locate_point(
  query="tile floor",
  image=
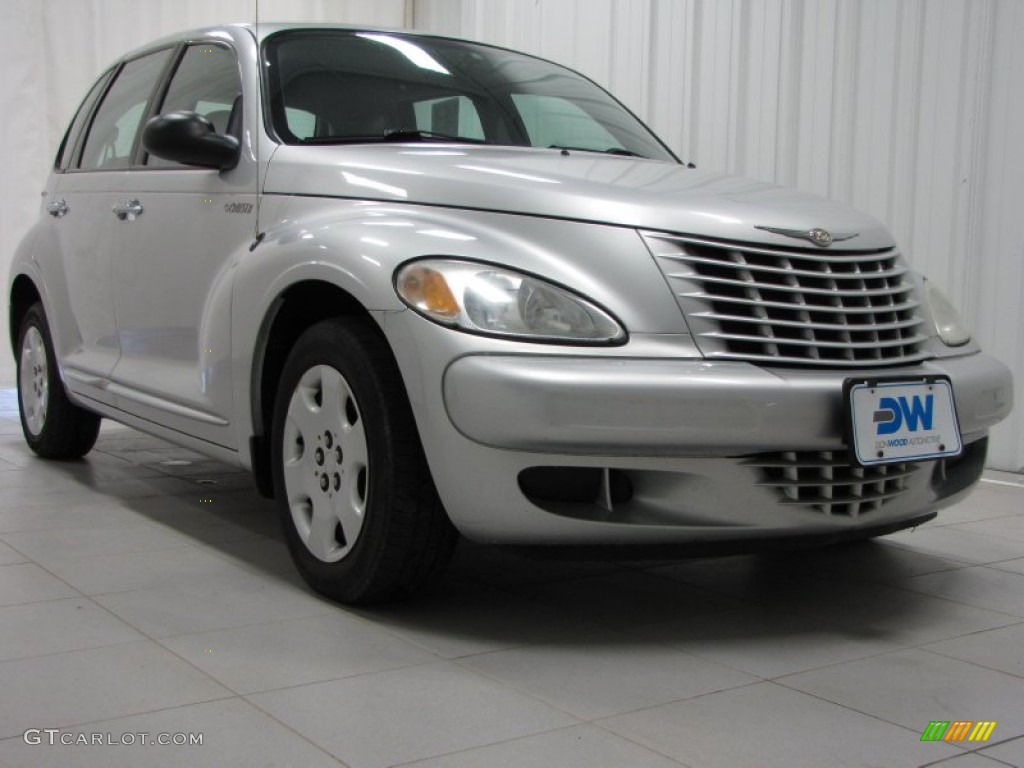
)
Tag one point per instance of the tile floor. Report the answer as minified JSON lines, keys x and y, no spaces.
{"x":147,"y":590}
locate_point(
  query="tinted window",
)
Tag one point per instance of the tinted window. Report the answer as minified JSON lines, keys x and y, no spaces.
{"x":207,"y":82}
{"x":300,"y":122}
{"x":449,"y":115}
{"x":551,"y":121}
{"x":113,"y":130}
{"x":337,"y":86}
{"x":67,"y":146}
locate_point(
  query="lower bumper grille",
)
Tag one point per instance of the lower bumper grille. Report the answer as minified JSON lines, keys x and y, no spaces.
{"x":827,"y":482}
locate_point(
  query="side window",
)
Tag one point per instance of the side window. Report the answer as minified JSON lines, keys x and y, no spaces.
{"x":300,"y":122}
{"x":450,"y":115}
{"x":74,"y":132}
{"x":207,"y":82}
{"x":112,"y":133}
{"x":554,"y":121}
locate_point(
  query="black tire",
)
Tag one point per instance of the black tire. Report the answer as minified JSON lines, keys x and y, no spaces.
{"x":54,"y":427}
{"x":403,"y":538}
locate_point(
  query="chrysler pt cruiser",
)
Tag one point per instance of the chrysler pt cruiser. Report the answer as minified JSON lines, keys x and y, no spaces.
{"x":422,"y":286}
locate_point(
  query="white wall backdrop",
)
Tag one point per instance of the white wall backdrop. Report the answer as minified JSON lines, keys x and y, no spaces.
{"x":910,"y":109}
{"x":51,"y":51}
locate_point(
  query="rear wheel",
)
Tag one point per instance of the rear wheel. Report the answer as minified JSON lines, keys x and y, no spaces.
{"x":54,"y":427}
{"x":359,"y":509}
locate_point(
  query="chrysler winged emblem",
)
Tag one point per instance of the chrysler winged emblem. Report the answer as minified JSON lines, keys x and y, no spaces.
{"x":820,"y":237}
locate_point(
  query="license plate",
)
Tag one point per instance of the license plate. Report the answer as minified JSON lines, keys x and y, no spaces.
{"x":900,"y":420}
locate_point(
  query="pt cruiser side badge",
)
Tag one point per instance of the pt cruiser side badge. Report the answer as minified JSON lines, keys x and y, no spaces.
{"x":820,"y":237}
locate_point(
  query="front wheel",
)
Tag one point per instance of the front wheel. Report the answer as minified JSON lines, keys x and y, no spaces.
{"x":54,"y":427}
{"x":360,"y":513}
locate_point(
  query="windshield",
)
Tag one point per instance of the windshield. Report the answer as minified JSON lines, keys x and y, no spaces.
{"x":335,"y":86}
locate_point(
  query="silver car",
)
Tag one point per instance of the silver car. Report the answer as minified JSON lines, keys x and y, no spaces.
{"x":421,"y":285}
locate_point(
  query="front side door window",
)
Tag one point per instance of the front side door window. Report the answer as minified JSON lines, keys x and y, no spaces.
{"x":207,"y":82}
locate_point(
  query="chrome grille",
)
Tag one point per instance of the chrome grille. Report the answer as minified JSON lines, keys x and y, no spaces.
{"x":793,"y":306}
{"x":827,"y":482}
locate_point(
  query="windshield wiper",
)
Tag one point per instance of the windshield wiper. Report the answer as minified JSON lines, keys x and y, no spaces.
{"x":415,"y":134}
{"x":610,"y":151}
{"x":396,"y":135}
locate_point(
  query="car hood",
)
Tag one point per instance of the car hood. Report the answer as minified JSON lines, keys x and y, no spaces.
{"x":578,"y":185}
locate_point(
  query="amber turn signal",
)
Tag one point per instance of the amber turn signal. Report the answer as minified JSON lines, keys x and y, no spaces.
{"x":427,"y":290}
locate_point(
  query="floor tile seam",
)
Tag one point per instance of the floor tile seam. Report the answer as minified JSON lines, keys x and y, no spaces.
{"x":1004,"y":539}
{"x":544,"y":733}
{"x":45,"y":565}
{"x":956,"y":525}
{"x":237,"y":697}
{"x":945,"y":760}
{"x":902,"y":586}
{"x":995,"y":566}
{"x":294,"y":686}
{"x":595,"y":720}
{"x":529,"y":694}
{"x":945,"y":555}
{"x":244,"y":625}
{"x":156,"y":641}
{"x":45,"y":570}
{"x":216,"y":551}
{"x":333,"y":679}
{"x":144,"y":523}
{"x":569,"y":579}
{"x":780,"y":682}
{"x":971,"y":633}
{"x":156,"y":710}
{"x":891,"y":580}
{"x":950,"y":657}
{"x":638,"y":742}
{"x":67,"y":651}
{"x":982,"y":749}
{"x":773,"y":678}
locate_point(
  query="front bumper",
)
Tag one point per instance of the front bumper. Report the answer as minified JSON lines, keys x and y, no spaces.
{"x":596,"y":406}
{"x":611,"y":449}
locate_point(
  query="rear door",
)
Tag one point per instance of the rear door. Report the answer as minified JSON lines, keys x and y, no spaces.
{"x":77,"y":268}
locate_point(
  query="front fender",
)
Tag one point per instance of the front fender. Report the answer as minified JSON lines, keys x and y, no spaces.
{"x":357,"y":246}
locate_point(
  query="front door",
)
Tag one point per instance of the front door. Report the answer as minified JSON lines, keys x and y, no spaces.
{"x":181,"y":231}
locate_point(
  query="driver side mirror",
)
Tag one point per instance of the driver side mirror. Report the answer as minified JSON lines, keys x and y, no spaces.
{"x":190,"y":139}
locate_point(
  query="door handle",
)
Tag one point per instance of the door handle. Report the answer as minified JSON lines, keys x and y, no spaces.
{"x":57,"y":208}
{"x":128,"y":211}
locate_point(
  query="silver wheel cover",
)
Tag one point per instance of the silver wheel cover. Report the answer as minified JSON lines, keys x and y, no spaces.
{"x":326,"y":463}
{"x":34,"y":381}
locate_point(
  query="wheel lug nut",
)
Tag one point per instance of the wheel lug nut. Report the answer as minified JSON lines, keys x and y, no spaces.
{"x":328,"y":439}
{"x":337,"y":455}
{"x":324,"y":483}
{"x":337,"y":481}
{"x":318,"y":457}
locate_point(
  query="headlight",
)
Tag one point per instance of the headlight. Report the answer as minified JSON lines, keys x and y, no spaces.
{"x":948,"y":323}
{"x":481,"y":298}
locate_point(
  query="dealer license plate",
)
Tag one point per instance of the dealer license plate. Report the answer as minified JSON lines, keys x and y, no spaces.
{"x":900,"y":420}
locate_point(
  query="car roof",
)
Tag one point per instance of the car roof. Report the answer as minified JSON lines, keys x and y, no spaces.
{"x":261,"y":31}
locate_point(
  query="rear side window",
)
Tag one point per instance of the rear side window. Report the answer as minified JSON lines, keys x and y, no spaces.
{"x":207,"y":82}
{"x":74,"y":132}
{"x":116,"y":124}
